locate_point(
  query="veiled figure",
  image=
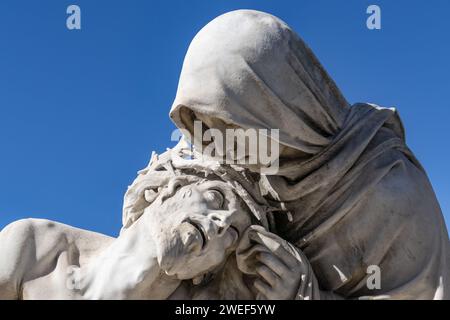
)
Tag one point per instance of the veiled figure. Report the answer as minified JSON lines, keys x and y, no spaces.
{"x":355,"y":195}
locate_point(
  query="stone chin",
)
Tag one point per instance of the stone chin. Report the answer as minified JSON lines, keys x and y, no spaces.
{"x":178,"y":248}
{"x":187,"y":253}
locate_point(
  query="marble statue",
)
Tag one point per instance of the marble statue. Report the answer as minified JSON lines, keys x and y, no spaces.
{"x":183,"y":222}
{"x":348,"y":196}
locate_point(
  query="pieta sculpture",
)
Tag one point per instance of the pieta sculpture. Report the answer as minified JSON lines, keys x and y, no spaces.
{"x":348,"y":201}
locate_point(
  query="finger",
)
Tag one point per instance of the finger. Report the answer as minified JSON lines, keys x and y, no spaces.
{"x":275,"y":264}
{"x":259,"y":248}
{"x":267,"y":274}
{"x":281,"y":253}
{"x":260,"y":296}
{"x":286,"y":257}
{"x":262,"y":287}
{"x":279,"y":250}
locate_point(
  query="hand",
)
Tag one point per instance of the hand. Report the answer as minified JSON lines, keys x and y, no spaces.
{"x":279,"y":273}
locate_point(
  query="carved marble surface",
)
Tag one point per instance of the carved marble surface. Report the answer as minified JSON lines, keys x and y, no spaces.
{"x":349,"y":197}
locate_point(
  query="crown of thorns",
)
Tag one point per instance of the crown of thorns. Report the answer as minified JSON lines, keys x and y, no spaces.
{"x":183,"y":163}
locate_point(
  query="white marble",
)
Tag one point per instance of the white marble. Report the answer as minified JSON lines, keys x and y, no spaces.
{"x":350,"y":213}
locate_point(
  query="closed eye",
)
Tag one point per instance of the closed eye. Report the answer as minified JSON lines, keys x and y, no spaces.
{"x":215,"y":199}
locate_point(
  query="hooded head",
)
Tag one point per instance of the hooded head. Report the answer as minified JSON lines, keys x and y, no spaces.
{"x":250,"y":70}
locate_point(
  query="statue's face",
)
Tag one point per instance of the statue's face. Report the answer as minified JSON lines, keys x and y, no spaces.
{"x":196,"y":228}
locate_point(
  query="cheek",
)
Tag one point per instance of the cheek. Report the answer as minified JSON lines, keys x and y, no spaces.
{"x":214,"y":255}
{"x":242,"y":221}
{"x":218,"y":248}
{"x":229,"y":238}
{"x":221,"y":244}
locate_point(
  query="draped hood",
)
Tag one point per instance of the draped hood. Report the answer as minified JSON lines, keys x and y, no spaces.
{"x":250,"y":69}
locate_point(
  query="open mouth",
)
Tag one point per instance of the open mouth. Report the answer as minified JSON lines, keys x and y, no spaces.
{"x":200,"y":230}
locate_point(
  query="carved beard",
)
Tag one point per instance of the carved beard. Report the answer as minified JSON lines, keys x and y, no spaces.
{"x":175,"y":248}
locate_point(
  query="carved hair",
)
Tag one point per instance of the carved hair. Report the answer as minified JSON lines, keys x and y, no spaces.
{"x":181,"y":166}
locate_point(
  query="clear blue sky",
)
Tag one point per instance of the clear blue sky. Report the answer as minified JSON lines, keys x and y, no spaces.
{"x":81,"y":111}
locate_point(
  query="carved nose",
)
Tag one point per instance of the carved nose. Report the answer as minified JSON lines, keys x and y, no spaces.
{"x":220,"y":221}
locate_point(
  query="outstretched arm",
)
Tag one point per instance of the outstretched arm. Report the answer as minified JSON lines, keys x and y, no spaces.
{"x":15,"y":248}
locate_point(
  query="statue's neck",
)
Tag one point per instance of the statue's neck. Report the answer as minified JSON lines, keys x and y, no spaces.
{"x":127,"y":269}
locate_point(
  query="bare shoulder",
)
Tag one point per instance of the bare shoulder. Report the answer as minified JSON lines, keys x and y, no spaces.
{"x":45,"y":228}
{"x":45,"y":235}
